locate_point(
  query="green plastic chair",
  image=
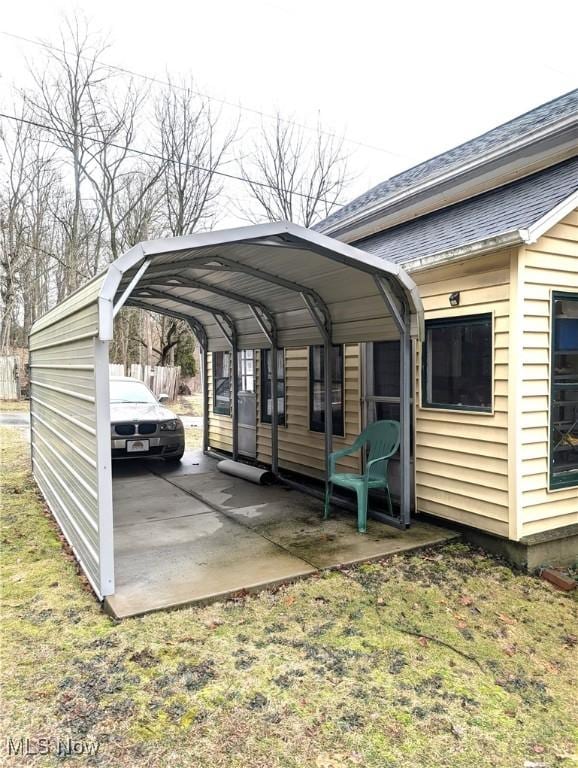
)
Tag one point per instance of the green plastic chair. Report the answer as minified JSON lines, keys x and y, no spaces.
{"x":383,"y":440}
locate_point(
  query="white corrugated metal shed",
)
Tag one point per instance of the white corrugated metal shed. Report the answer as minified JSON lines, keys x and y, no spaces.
{"x":271,"y":285}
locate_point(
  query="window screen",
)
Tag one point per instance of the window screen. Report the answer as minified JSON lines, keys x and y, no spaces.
{"x":266,"y":389}
{"x":383,"y":394}
{"x":317,"y":389}
{"x":457,"y":363}
{"x":222,"y":383}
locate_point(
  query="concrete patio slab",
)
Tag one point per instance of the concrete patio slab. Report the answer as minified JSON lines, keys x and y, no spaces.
{"x":157,"y":508}
{"x":144,"y":499}
{"x":337,"y":542}
{"x":232,"y":493}
{"x":192,"y":534}
{"x":293,"y":520}
{"x":183,"y":560}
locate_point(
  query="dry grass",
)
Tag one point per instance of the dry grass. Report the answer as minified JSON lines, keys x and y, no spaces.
{"x":187,"y":405}
{"x":14,"y":405}
{"x":331,"y":672}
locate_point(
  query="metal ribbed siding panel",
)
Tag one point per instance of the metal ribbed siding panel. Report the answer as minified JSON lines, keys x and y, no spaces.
{"x":64,"y":349}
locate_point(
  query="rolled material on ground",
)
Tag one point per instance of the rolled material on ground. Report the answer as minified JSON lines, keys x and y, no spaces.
{"x":245,"y":472}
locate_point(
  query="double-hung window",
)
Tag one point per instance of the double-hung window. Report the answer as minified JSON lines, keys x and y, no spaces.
{"x":457,"y":363}
{"x":317,"y":389}
{"x":564,"y":392}
{"x":266,"y":387}
{"x":222,"y":383}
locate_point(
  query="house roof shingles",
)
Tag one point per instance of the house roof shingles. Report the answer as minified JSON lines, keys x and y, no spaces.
{"x":513,"y":130}
{"x":514,"y":206}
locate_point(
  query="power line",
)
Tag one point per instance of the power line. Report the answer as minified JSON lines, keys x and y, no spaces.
{"x":154,"y":156}
{"x":59,"y":260}
{"x":216,"y":99}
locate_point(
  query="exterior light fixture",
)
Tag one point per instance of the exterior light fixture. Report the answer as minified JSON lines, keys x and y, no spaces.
{"x":455,"y":299}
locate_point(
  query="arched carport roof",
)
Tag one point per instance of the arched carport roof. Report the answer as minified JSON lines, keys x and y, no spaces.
{"x":255,"y":281}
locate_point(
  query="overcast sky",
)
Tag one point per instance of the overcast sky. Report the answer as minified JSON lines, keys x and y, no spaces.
{"x":402,"y":81}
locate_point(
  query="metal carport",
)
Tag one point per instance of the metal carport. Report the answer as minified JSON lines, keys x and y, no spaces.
{"x":272,"y":285}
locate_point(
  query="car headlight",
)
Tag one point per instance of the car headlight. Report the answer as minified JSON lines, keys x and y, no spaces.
{"x":170,"y":426}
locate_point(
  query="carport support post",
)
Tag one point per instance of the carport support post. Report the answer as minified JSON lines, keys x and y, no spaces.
{"x":405,"y":418}
{"x":235,"y":396}
{"x":205,"y":386}
{"x":320,"y":314}
{"x":400,"y":312}
{"x":328,"y":403}
{"x":274,"y":409}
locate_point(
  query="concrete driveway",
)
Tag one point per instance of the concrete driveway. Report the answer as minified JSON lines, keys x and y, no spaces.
{"x":192,"y":534}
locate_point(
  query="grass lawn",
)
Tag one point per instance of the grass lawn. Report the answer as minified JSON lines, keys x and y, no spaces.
{"x":14,"y":405}
{"x":187,"y":405}
{"x":439,"y":658}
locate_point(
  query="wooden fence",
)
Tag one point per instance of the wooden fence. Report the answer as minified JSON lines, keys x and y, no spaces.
{"x":160,"y":379}
{"x":9,"y":378}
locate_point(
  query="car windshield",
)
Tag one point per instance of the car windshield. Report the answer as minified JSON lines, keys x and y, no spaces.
{"x":130,"y":392}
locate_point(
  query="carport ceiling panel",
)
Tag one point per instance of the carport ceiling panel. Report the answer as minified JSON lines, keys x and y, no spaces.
{"x":249,"y":333}
{"x":333,"y":281}
{"x":237,"y":310}
{"x":357,"y":309}
{"x":292,"y":314}
{"x":253,"y":288}
{"x":257,"y":290}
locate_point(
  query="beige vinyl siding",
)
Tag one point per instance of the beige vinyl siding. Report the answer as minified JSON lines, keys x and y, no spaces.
{"x":461,"y":458}
{"x":551,"y":264}
{"x":301,"y":450}
{"x":220,"y":427}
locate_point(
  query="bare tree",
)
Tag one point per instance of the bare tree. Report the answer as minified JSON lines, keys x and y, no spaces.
{"x":121,"y":184}
{"x":293,"y":174}
{"x":138,"y":203}
{"x":194,"y":148}
{"x":67,"y":91}
{"x":13,"y":235}
{"x":31,"y":235}
{"x":44,"y":234}
{"x":165,"y":334}
{"x":94,"y":171}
